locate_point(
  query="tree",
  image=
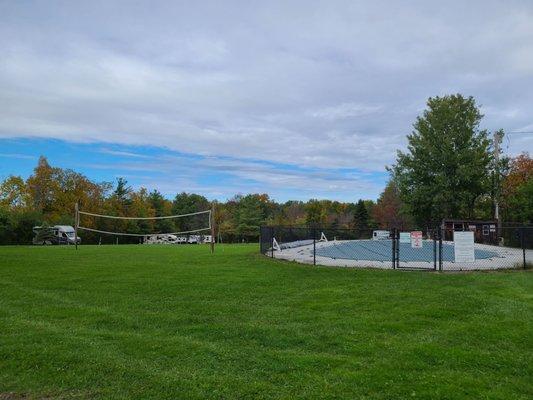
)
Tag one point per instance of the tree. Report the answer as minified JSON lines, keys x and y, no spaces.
{"x":122,"y":191}
{"x":294,"y":212}
{"x":140,"y":207}
{"x":389,"y":209}
{"x":517,"y":196}
{"x":360,"y":217}
{"x":447,"y":164}
{"x":13,"y":193}
{"x":186,"y":203}
{"x":43,"y":185}
{"x":162,"y":207}
{"x":520,"y":204}
{"x":316,"y":214}
{"x":250,"y":214}
{"x":520,"y":172}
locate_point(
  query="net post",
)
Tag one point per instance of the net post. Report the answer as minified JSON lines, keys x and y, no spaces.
{"x":76,"y":223}
{"x":212,"y":226}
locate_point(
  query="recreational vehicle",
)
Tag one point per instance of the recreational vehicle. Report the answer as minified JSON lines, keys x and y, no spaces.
{"x":161,"y":239}
{"x":380,"y":235}
{"x":57,"y":234}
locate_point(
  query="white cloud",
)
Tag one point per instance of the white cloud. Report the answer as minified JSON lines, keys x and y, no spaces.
{"x":19,"y":156}
{"x":345,"y":110}
{"x":331,"y":85}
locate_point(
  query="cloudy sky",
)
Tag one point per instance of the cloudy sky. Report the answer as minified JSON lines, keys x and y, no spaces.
{"x":296,"y":99}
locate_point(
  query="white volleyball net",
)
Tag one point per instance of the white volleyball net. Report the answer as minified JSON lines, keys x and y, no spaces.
{"x":179,"y":228}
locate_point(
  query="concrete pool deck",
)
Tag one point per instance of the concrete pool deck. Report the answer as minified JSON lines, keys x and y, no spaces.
{"x":495,"y":257}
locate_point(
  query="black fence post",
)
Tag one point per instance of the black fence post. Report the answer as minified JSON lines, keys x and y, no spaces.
{"x":435,"y":249}
{"x":272,"y":241}
{"x":397,"y":248}
{"x":314,"y":246}
{"x":440,"y":250}
{"x":523,"y":243}
{"x":393,"y":235}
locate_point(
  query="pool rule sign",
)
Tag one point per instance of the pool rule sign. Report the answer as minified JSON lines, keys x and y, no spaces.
{"x":416,"y":239}
{"x":464,"y":246}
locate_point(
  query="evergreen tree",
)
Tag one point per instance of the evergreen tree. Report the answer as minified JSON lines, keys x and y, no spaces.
{"x":360,"y":217}
{"x":250,"y":215}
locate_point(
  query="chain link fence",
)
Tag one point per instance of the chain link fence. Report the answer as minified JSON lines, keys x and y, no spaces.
{"x":424,"y":249}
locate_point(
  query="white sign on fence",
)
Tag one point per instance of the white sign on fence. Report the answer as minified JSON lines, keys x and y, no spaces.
{"x":405,"y":237}
{"x":464,"y":246}
{"x":416,"y":239}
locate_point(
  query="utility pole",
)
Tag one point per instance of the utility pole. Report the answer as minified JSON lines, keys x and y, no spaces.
{"x":498,"y":135}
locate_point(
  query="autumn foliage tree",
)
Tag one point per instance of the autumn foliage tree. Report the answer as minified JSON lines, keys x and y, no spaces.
{"x":389,"y":210}
{"x":517,"y":190}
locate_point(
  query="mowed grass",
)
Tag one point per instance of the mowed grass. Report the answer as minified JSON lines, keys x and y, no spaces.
{"x":176,"y":322}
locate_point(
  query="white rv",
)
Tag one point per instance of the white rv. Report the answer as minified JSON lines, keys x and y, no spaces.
{"x":380,"y":235}
{"x":57,"y":234}
{"x":161,"y":239}
{"x":206,"y":239}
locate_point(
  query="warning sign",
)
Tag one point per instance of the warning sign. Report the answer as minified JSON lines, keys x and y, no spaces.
{"x":416,"y":239}
{"x":405,"y":237}
{"x":464,"y":246}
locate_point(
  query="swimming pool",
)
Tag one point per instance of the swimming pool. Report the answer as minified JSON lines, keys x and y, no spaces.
{"x":381,"y":250}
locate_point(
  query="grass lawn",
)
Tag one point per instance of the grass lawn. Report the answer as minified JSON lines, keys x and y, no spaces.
{"x":175,"y":322}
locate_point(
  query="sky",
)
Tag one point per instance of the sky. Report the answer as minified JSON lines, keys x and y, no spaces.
{"x":297,"y":99}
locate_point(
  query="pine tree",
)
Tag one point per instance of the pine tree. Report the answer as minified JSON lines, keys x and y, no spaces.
{"x":360,"y":217}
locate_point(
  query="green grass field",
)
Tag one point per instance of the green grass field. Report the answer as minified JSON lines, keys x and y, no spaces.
{"x":175,"y":322}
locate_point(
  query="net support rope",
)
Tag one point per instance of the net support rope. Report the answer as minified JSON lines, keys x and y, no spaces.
{"x":143,"y":218}
{"x":143,"y":234}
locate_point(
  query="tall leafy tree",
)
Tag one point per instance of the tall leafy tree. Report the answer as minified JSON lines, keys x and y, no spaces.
{"x":447,"y":164}
{"x":43,"y":186}
{"x":186,"y":203}
{"x":13,"y":193}
{"x":316,"y":214}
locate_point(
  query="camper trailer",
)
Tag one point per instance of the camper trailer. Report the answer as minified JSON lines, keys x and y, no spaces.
{"x":380,"y":235}
{"x":57,"y":234}
{"x":161,"y":239}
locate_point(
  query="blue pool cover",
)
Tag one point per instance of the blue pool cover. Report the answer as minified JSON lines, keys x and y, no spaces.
{"x":381,"y":250}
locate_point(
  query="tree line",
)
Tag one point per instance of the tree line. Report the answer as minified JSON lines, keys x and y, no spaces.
{"x":450,"y":170}
{"x":49,"y":194}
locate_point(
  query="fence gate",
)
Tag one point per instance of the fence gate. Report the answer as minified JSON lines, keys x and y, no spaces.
{"x":417,"y":250}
